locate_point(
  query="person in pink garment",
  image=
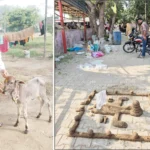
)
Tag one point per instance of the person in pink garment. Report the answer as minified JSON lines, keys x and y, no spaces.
{"x":41,"y":24}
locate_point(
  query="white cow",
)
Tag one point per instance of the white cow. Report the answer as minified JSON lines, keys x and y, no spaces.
{"x":22,"y":92}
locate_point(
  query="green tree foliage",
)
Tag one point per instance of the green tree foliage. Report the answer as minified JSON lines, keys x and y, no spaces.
{"x":19,"y":18}
{"x":135,"y":8}
{"x":50,"y":28}
{"x":50,"y":24}
{"x":122,"y":13}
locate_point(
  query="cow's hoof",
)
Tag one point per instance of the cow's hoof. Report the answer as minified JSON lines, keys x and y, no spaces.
{"x":38,"y":116}
{"x":50,"y":118}
{"x":26,"y":131}
{"x":16,"y":124}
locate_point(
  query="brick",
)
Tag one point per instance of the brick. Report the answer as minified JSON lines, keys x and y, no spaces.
{"x":99,"y":142}
{"x":57,"y":139}
{"x":124,"y":131}
{"x":83,"y":142}
{"x":139,"y":119}
{"x":59,"y":147}
{"x":126,"y":118}
{"x":115,"y":144}
{"x":134,"y":126}
{"x":132,"y":145}
{"x":63,"y":131}
{"x":66,"y":123}
{"x":77,"y":148}
{"x":89,"y":148}
{"x":69,"y":147}
{"x":145,"y":145}
{"x":89,"y":124}
{"x":65,"y":140}
{"x":147,"y":120}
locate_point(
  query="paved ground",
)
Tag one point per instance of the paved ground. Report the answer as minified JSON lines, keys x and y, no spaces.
{"x":40,"y":135}
{"x":72,"y":85}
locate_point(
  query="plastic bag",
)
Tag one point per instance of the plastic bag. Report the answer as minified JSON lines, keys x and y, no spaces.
{"x":101,"y":66}
{"x":78,"y":45}
{"x":96,"y":47}
{"x":90,"y":47}
{"x":89,"y":42}
{"x":80,"y":53}
{"x":96,"y":42}
{"x":94,"y":38}
{"x":97,"y":54}
{"x":107,"y":49}
{"x":76,"y":49}
{"x":60,"y":57}
{"x":101,"y":99}
{"x":57,"y":59}
{"x":87,"y":66}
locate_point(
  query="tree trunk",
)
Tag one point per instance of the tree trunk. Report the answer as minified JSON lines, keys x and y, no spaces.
{"x":101,"y":20}
{"x":91,"y":24}
{"x":92,"y":16}
{"x":113,"y":22}
{"x":110,"y":22}
{"x":111,"y":29}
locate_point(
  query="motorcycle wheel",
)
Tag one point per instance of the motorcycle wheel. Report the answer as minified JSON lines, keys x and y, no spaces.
{"x":128,"y":47}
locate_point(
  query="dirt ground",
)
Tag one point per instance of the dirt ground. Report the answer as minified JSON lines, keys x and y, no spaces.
{"x":40,"y":131}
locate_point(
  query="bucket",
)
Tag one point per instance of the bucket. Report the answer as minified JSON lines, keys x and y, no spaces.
{"x":27,"y":54}
{"x":117,"y":37}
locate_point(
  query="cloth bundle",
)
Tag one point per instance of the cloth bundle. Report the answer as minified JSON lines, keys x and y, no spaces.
{"x":21,"y":35}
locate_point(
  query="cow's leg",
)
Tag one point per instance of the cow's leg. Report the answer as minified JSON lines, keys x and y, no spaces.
{"x":26,"y":118}
{"x":49,"y":109}
{"x":19,"y":108}
{"x":45,"y":99}
{"x":41,"y":107}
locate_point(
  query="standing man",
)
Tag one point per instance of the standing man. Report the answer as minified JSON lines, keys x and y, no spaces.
{"x":144,"y":28}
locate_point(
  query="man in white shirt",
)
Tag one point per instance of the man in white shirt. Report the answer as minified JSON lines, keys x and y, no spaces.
{"x":3,"y":71}
{"x":2,"y":68}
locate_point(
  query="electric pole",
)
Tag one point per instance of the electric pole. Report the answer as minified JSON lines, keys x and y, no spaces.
{"x":45,"y":29}
{"x":145,"y":10}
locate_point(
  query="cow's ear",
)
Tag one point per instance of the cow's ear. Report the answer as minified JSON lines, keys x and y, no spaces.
{"x":6,"y":79}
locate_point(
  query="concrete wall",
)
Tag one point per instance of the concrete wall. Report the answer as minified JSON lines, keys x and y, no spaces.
{"x":72,"y":37}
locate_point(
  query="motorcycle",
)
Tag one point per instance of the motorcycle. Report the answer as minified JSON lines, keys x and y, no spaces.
{"x":134,"y":43}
